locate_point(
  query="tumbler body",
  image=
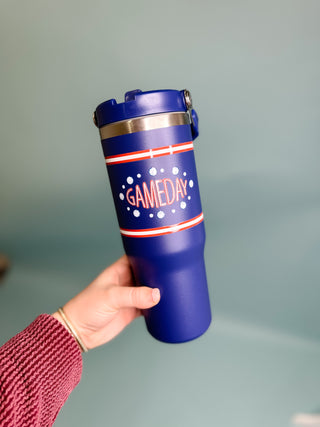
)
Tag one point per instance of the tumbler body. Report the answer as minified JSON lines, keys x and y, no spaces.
{"x":147,"y":142}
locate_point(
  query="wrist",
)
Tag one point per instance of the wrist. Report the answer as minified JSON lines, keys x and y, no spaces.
{"x":57,"y":316}
{"x":61,"y":317}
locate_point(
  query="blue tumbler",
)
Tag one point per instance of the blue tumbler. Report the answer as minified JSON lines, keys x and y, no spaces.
{"x":147,"y":143}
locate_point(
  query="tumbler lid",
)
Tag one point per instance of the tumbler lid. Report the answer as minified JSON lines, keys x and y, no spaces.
{"x":138,"y":103}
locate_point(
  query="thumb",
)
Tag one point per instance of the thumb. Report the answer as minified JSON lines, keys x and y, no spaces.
{"x":129,"y":296}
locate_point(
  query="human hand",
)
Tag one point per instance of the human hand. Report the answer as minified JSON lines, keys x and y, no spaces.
{"x":103,"y":309}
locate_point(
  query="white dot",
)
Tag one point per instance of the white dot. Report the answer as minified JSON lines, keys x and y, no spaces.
{"x":160,"y":214}
{"x":161,"y":170}
{"x":183,"y":205}
{"x":189,"y":197}
{"x":121,"y":196}
{"x":129,"y":180}
{"x":136,"y":213}
{"x":175,"y":170}
{"x":123,"y":187}
{"x":184,"y":173}
{"x":173,"y":210}
{"x":151,"y":215}
{"x":191,"y":183}
{"x":128,"y":208}
{"x":139,"y":175}
{"x":153,"y":171}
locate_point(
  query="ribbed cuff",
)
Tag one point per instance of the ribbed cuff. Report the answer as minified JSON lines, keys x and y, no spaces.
{"x":39,"y":368}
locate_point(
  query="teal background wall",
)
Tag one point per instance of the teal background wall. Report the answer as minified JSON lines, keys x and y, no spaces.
{"x":253,"y":69}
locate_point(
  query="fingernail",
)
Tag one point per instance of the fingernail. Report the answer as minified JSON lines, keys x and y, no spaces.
{"x":155,"y":295}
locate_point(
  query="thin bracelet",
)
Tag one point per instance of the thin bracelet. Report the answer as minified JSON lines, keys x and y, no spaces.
{"x":72,"y":330}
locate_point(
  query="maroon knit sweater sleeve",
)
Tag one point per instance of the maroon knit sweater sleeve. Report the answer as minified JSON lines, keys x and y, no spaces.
{"x":39,"y":368}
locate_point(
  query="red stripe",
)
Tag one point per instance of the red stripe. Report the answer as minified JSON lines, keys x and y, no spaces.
{"x":151,"y":153}
{"x":180,"y":151}
{"x":198,"y":219}
{"x":165,"y":226}
{"x":126,"y":154}
{"x":169,"y":232}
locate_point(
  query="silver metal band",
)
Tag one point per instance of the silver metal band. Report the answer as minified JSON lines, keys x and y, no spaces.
{"x":138,"y":124}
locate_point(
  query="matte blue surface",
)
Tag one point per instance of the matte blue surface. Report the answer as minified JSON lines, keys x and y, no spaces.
{"x":173,"y":262}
